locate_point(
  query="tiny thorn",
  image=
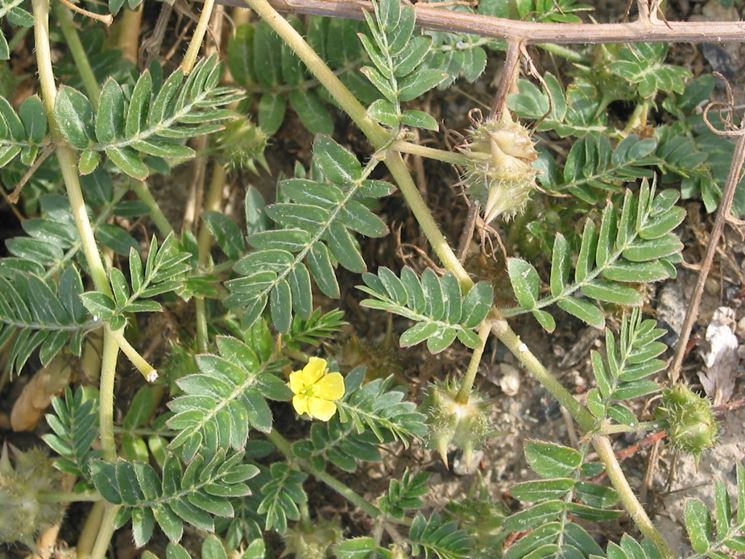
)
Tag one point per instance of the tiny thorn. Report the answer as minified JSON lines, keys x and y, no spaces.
{"x":442,"y":449}
{"x":106,"y":19}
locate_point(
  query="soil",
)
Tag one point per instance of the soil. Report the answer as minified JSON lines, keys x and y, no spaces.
{"x":519,"y":407}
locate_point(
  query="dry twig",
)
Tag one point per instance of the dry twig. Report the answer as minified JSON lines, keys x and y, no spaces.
{"x":652,"y":31}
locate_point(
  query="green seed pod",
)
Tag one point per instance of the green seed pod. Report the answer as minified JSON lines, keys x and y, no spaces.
{"x":243,"y":144}
{"x":22,"y":516}
{"x":688,"y":420}
{"x":463,"y":425}
{"x":314,"y":543}
{"x":500,"y":172}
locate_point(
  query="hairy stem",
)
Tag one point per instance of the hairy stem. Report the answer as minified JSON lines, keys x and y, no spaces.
{"x":587,"y":423}
{"x":377,"y":135}
{"x":632,"y":505}
{"x":68,"y":164}
{"x":129,"y":25}
{"x":190,"y":58}
{"x":429,"y":16}
{"x":106,"y":405}
{"x":160,"y":220}
{"x":212,"y":203}
{"x":72,"y":39}
{"x":106,"y":436}
{"x":87,"y":538}
{"x":69,"y":497}
{"x":512,"y":341}
{"x":510,"y":73}
{"x":105,"y":532}
{"x":473,"y":366}
{"x":431,"y":153}
{"x":139,"y":362}
{"x":379,"y":138}
{"x":204,"y":243}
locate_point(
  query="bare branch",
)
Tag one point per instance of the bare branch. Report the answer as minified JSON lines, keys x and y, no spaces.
{"x":430,"y":17}
{"x":723,"y":211}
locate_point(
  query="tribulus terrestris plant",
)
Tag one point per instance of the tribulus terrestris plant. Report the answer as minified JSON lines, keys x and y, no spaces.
{"x":238,"y":201}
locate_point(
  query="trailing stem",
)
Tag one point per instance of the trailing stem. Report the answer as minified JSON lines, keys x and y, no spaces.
{"x":723,"y":213}
{"x":72,"y":40}
{"x":429,"y":16}
{"x":380,"y":140}
{"x":473,"y":366}
{"x":377,"y":135}
{"x":67,"y":159}
{"x":141,"y":189}
{"x":587,"y":423}
{"x":190,"y":58}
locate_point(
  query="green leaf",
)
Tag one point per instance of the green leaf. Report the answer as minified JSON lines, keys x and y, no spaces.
{"x":98,"y":304}
{"x":226,"y":233}
{"x":280,"y":497}
{"x":646,"y":250}
{"x":128,"y":161}
{"x":544,"y":319}
{"x":116,"y":238}
{"x":417,"y":84}
{"x":88,"y":162}
{"x":612,"y":293}
{"x":139,"y":103}
{"x":419,"y":119}
{"x":74,"y":115}
{"x":240,"y":60}
{"x":182,"y":496}
{"x":34,"y":119}
{"x":436,"y":305}
{"x":552,"y":460}
{"x":542,"y":490}
{"x":559,"y":265}
{"x":110,"y":114}
{"x":356,"y":548}
{"x":584,"y":310}
{"x":313,"y":114}
{"x":384,"y":112}
{"x":534,"y":516}
{"x":698,"y":525}
{"x":4,"y":48}
{"x":434,"y":536}
{"x":525,"y":282}
{"x":336,"y":163}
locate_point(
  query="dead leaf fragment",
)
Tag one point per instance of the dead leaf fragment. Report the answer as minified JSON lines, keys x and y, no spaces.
{"x":721,"y":357}
{"x":48,"y":381}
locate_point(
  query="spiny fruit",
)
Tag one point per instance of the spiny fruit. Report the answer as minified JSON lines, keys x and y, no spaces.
{"x":315,"y":542}
{"x":243,"y":144}
{"x":23,"y":514}
{"x":500,"y":172}
{"x":465,"y":425}
{"x":688,"y":420}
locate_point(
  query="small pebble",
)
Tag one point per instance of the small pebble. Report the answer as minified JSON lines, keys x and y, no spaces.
{"x":510,"y":380}
{"x":741,"y":327}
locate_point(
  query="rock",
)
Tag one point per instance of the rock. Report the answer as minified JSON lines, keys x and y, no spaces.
{"x":721,"y":356}
{"x":671,"y":311}
{"x":509,"y":382}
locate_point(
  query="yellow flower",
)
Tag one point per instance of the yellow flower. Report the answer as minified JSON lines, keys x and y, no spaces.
{"x":316,"y":389}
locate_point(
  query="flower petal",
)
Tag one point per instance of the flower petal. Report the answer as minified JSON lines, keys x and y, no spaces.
{"x":298,"y":382}
{"x":321,"y":409}
{"x":330,"y":387}
{"x":314,"y":370}
{"x":300,"y":403}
